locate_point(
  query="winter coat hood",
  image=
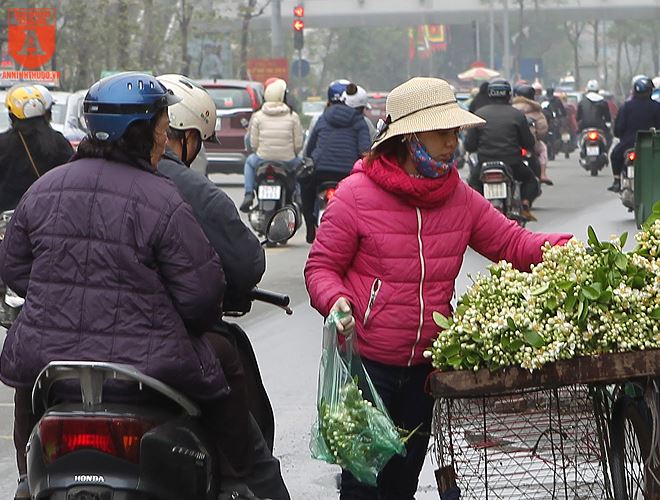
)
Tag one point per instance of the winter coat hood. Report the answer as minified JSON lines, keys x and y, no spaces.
{"x":342,"y":116}
{"x":594,"y":97}
{"x":526,"y":105}
{"x":275,"y":108}
{"x":416,"y":191}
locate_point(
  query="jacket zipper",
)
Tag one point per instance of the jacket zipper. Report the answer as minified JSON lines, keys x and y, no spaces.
{"x":375,"y":288}
{"x":421,"y":284}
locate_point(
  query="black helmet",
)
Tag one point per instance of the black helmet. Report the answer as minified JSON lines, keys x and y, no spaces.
{"x":643,"y":86}
{"x":524,"y":90}
{"x":499,"y":89}
{"x":550,"y":91}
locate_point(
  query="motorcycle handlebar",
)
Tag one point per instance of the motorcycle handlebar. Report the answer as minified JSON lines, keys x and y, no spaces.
{"x":274,"y":298}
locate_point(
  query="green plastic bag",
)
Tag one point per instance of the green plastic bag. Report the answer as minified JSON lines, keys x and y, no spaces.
{"x":352,"y":428}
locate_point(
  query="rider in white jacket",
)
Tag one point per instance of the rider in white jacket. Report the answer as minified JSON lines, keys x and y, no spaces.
{"x":275,"y":134}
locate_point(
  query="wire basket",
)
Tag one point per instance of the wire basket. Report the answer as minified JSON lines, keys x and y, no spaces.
{"x":533,"y":444}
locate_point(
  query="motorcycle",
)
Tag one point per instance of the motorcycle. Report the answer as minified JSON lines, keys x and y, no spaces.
{"x":501,"y":188}
{"x":567,"y":146}
{"x":627,"y":192}
{"x":151,"y":445}
{"x":276,"y":187}
{"x":593,"y":150}
{"x":324,"y":193}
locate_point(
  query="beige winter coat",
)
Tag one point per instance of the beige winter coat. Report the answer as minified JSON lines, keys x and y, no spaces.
{"x":275,"y":132}
{"x":534,"y":110}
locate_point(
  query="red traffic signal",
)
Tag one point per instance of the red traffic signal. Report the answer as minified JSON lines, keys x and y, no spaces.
{"x":299,"y":11}
{"x":298,"y":25}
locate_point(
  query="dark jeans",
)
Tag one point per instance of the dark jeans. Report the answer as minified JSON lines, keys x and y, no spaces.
{"x":616,"y":157}
{"x":308,"y":191}
{"x":402,"y":391}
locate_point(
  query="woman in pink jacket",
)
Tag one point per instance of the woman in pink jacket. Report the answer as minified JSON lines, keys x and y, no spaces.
{"x":388,"y":253}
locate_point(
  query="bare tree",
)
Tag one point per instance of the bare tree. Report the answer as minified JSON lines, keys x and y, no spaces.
{"x":185,"y":13}
{"x":248,"y":12}
{"x":574,"y":30}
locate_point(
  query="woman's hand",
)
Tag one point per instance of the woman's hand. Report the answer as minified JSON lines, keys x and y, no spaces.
{"x":342,"y":315}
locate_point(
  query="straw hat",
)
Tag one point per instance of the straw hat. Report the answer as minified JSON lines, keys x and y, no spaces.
{"x":421,"y":105}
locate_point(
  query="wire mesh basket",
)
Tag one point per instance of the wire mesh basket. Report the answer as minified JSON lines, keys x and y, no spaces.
{"x":532,"y":444}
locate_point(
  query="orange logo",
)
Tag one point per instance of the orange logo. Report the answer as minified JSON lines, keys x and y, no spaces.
{"x":31,"y":36}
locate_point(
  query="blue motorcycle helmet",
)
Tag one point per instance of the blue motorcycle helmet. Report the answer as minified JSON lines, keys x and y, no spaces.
{"x":643,"y":85}
{"x":336,"y":90}
{"x":114,"y":102}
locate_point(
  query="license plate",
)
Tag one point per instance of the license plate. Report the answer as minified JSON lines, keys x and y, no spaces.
{"x":593,"y":150}
{"x":565,"y":137}
{"x":269,"y":192}
{"x":631,"y":172}
{"x":495,"y":191}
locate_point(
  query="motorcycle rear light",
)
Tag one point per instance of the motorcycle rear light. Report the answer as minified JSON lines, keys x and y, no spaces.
{"x":494,"y":177}
{"x":116,"y":436}
{"x":593,"y":136}
{"x":632,"y":156}
{"x":524,"y":152}
{"x":329,"y":193}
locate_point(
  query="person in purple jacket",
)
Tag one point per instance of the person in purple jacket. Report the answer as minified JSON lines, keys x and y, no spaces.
{"x":112,"y":263}
{"x":388,"y":253}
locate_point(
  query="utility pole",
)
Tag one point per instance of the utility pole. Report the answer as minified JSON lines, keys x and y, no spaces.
{"x":506,"y":64}
{"x":277,"y":49}
{"x":491,"y":23}
{"x":477,"y":39}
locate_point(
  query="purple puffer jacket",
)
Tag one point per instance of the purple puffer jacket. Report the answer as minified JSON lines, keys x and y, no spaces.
{"x":112,"y":264}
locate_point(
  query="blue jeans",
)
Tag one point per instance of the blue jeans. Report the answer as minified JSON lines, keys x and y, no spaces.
{"x":402,"y":390}
{"x":250,"y":169}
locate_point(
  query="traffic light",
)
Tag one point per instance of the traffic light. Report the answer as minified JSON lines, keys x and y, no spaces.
{"x":298,"y":27}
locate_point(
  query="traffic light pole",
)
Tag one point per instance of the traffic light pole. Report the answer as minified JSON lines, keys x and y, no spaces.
{"x":276,"y":28}
{"x":300,"y":65}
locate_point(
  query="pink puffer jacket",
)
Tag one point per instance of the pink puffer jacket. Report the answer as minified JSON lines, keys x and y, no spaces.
{"x":396,"y":260}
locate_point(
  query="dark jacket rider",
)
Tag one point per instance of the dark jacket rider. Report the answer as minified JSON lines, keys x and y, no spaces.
{"x":503,"y":136}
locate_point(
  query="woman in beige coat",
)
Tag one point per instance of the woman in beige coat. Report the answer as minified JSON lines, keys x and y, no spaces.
{"x":275,"y":134}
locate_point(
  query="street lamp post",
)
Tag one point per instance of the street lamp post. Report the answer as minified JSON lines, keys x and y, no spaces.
{"x":276,"y":28}
{"x":506,"y":64}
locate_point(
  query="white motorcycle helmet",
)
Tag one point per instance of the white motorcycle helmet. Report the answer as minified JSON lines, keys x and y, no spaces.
{"x":592,"y":86}
{"x":196,"y":110}
{"x":357,"y":100}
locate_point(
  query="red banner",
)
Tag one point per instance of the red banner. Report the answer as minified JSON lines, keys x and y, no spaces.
{"x":261,"y":70}
{"x":31,"y":36}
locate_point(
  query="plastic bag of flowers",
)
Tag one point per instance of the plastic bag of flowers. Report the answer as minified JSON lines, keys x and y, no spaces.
{"x":352,"y":428}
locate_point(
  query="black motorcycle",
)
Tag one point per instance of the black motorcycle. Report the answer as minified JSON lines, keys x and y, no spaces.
{"x":124,"y":435}
{"x":627,"y":192}
{"x":593,"y":150}
{"x":276,"y":188}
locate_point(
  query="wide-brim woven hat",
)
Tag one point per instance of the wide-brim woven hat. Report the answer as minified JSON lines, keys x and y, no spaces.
{"x":420,"y":105}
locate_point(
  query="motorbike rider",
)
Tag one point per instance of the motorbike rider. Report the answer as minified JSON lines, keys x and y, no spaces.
{"x":555,"y":103}
{"x":192,"y":120}
{"x":638,"y":113}
{"x":360,"y":101}
{"x":593,"y":112}
{"x":481,"y":99}
{"x":117,"y":267}
{"x":523,"y":100}
{"x":275,"y":134}
{"x":31,"y":147}
{"x":338,"y":139}
{"x":503,"y":136}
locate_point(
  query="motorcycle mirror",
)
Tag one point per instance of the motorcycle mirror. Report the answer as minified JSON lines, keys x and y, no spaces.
{"x":281,"y":226}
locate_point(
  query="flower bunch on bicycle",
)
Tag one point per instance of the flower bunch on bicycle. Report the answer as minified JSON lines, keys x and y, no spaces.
{"x":580,"y":301}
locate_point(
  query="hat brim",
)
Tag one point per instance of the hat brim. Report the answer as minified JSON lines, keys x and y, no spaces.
{"x":443,"y":117}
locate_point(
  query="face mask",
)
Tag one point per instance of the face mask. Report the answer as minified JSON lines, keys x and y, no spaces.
{"x":424,"y":162}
